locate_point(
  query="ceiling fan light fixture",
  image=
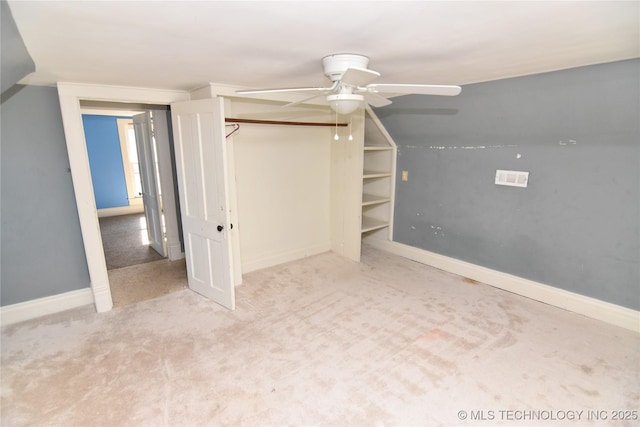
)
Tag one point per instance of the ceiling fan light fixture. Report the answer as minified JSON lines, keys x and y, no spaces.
{"x":345,"y":103}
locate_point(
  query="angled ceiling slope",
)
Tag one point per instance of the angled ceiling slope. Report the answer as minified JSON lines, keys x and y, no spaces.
{"x":16,"y":62}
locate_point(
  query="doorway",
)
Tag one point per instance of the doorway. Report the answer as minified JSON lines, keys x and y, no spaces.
{"x":138,"y":264}
{"x":71,"y":95}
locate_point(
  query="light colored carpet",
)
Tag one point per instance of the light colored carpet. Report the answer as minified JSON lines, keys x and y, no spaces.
{"x":321,"y":341}
{"x":123,"y":238}
{"x":141,"y":282}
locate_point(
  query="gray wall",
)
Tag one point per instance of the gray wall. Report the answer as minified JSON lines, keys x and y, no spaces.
{"x":41,"y":244}
{"x":576,"y":226}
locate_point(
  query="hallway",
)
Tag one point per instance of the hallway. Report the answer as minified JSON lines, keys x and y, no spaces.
{"x":136,"y":271}
{"x":125,"y":242}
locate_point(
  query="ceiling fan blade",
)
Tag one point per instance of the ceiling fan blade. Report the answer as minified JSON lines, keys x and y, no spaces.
{"x":375,"y":100}
{"x":406,"y":89}
{"x":321,"y":90}
{"x":354,"y":76}
{"x":302,"y":101}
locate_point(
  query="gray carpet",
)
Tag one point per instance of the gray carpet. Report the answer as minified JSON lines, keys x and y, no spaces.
{"x":141,"y":282}
{"x":323,"y":341}
{"x":123,"y":241}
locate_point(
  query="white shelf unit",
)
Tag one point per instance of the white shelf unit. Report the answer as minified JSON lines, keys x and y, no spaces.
{"x":378,"y":179}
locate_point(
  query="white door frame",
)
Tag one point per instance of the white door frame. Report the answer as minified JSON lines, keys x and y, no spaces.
{"x":70,"y":95}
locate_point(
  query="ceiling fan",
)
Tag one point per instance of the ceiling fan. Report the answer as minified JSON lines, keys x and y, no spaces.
{"x":351,"y":85}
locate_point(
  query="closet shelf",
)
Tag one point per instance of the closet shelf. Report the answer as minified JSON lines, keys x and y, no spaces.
{"x":370,"y":224}
{"x":371,"y":199}
{"x":377,"y":148}
{"x":378,"y":180}
{"x":375,"y":174}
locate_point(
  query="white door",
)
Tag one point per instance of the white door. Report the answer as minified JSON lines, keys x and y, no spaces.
{"x":201,"y":166}
{"x":147,"y":161}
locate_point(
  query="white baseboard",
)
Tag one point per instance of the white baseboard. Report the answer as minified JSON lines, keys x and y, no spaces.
{"x":587,"y":306}
{"x":15,"y":313}
{"x":122,"y":210}
{"x":249,"y":265}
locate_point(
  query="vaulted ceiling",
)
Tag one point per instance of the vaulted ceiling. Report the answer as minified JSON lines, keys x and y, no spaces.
{"x":184,"y":45}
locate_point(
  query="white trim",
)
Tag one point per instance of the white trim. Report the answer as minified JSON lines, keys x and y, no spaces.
{"x":234,"y":235}
{"x":20,"y":312}
{"x":121,"y":210}
{"x":212,"y":90}
{"x":282,"y":257}
{"x":175,"y":252}
{"x":587,"y":306}
{"x":70,"y":95}
{"x":107,"y":112}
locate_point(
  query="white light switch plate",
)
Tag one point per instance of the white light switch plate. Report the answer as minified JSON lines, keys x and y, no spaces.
{"x":512,"y":178}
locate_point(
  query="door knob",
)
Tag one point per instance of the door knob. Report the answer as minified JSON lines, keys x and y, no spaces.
{"x":220,"y":228}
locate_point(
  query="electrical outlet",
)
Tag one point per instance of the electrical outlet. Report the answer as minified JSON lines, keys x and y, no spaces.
{"x":405,"y":176}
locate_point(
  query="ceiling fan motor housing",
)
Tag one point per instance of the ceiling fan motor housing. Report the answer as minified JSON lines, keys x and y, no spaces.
{"x":335,"y":65}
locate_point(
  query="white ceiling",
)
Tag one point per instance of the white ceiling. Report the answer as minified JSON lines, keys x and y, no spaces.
{"x":184,"y":45}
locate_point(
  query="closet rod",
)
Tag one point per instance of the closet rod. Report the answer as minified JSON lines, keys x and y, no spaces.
{"x":277,"y":122}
